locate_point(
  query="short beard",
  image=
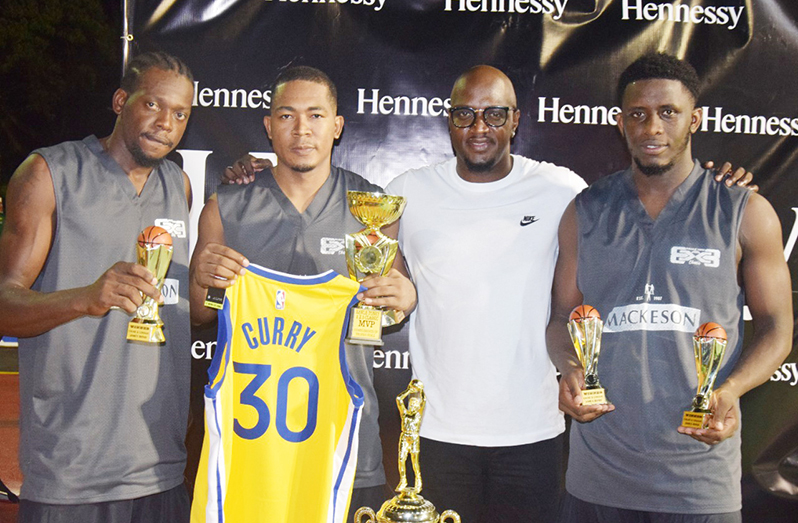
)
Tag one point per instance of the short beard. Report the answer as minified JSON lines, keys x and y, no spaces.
{"x":481,"y":167}
{"x":142,"y":159}
{"x":653,"y":170}
{"x":301,"y":168}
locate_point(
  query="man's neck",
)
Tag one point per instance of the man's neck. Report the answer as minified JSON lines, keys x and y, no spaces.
{"x":655,"y":191}
{"x":299,"y":187}
{"x":496,"y":173}
{"x":116,"y":149}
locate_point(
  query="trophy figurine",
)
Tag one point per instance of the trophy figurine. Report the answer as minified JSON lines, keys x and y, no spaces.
{"x":408,"y":506}
{"x":585,"y":326}
{"x":709,"y":344}
{"x":370,"y":252}
{"x":154,"y":251}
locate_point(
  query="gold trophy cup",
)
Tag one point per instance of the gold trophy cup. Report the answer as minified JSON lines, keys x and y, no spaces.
{"x":585,"y":326}
{"x":408,"y":506}
{"x":370,"y":252}
{"x":154,"y":251}
{"x":709,"y":344}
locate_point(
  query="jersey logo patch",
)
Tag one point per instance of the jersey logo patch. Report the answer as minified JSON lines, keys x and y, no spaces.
{"x":279,"y":300}
{"x":526,"y":220}
{"x":177,"y":228}
{"x":332,"y":246}
{"x":694,"y":256}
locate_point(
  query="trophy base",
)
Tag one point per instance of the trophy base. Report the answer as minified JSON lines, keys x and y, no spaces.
{"x":696,"y":419}
{"x":594,"y":397}
{"x":406,"y":507}
{"x":145,"y":332}
{"x":365,"y":326}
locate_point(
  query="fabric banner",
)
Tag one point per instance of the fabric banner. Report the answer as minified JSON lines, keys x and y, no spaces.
{"x":394,"y":62}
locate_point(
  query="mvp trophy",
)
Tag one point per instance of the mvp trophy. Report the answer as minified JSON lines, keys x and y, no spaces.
{"x":408,"y":506}
{"x":709,"y":344}
{"x":370,"y":252}
{"x":585,"y":326}
{"x":154,"y":251}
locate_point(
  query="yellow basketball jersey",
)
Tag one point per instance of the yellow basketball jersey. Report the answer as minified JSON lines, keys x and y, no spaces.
{"x":281,"y":410}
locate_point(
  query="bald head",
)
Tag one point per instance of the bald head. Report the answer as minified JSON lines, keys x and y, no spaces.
{"x":486,"y":79}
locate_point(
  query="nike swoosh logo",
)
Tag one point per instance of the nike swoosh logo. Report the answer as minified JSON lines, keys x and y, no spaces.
{"x":526,"y":220}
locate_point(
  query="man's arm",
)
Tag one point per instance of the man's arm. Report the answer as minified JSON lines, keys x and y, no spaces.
{"x":24,"y":247}
{"x":243,"y":170}
{"x":766,"y":280}
{"x":213,"y":264}
{"x":565,"y":296}
{"x":395,"y":290}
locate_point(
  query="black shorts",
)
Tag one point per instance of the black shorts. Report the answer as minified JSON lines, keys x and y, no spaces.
{"x":172,"y":506}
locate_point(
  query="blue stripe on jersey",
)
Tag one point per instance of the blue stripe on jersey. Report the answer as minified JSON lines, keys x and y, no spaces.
{"x":351,"y":438}
{"x":224,"y":338}
{"x":291,"y":278}
{"x":219,"y":502}
{"x":355,"y":391}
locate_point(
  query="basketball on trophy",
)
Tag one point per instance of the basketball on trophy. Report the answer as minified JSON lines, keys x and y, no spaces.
{"x":154,"y":235}
{"x":583,"y":312}
{"x":711,"y":329}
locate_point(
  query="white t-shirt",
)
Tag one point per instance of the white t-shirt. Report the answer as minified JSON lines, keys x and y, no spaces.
{"x":482,"y":257}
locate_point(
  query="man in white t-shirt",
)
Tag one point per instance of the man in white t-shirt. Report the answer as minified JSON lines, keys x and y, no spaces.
{"x":479,"y":235}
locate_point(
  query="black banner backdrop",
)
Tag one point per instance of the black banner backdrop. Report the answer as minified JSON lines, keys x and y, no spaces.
{"x":394,"y":62}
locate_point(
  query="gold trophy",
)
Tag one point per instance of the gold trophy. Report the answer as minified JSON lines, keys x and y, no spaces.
{"x":408,"y":506}
{"x":154,"y":251}
{"x":370,"y":252}
{"x":709,"y":344}
{"x":585,"y":326}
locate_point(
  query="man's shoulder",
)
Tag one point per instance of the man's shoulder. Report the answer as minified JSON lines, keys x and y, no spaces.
{"x":606,"y":184}
{"x":423,"y":174}
{"x":353,"y":181}
{"x":63,"y":150}
{"x":555,"y":176}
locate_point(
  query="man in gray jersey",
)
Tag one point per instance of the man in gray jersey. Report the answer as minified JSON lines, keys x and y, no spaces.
{"x":659,"y":249}
{"x":102,"y":419}
{"x":293,"y":219}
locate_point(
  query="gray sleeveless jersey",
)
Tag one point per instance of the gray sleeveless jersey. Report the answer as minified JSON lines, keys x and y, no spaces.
{"x":261,"y":223}
{"x":654,"y":282}
{"x":103,"y":418}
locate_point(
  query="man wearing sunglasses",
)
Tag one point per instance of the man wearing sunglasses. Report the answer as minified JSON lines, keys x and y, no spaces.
{"x":492,"y":432}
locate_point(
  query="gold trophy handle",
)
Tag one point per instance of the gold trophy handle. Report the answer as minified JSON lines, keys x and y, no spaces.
{"x":455,"y":517}
{"x":366,"y":511}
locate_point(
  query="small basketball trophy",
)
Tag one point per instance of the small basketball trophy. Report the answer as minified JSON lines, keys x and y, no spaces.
{"x":585,"y":326}
{"x":709,"y":344}
{"x":154,"y":251}
{"x":370,"y":252}
{"x":408,"y":505}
